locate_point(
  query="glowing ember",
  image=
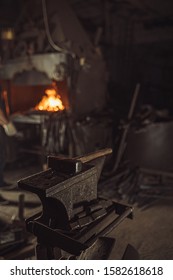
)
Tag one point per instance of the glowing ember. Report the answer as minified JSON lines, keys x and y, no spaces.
{"x":51,"y":101}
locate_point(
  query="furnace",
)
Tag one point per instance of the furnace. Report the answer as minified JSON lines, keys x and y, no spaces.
{"x":71,"y":75}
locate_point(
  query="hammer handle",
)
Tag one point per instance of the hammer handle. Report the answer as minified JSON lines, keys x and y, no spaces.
{"x":95,"y":155}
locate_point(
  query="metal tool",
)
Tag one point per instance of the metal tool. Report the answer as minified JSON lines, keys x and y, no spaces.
{"x":73,"y":216}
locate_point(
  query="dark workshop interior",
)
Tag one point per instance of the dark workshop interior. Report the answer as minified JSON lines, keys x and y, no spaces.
{"x":86,"y":129}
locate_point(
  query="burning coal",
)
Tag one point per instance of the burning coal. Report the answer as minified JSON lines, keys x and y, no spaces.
{"x":51,"y":101}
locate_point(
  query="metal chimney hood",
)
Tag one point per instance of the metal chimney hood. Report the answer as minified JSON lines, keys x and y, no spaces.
{"x":38,"y":69}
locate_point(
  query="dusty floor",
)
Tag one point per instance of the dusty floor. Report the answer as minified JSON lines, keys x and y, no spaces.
{"x":150,"y":232}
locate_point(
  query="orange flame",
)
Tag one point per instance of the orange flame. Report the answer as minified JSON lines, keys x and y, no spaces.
{"x":51,"y":101}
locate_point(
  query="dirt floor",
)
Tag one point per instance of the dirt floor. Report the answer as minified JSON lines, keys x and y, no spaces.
{"x":150,"y":231}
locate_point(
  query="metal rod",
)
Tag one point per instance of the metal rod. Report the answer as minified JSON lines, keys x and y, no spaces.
{"x":126,"y":129}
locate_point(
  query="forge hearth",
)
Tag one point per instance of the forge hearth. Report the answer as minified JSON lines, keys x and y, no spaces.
{"x":69,"y":128}
{"x":82,"y":86}
{"x":24,"y":98}
{"x":80,"y":126}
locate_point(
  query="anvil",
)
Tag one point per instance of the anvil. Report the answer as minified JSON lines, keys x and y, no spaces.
{"x":73,"y":216}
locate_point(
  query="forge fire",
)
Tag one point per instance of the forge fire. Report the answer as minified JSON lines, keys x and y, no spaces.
{"x":51,"y":101}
